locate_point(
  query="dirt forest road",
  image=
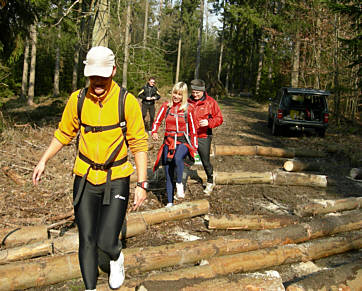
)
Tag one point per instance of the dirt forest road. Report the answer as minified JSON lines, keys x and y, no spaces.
{"x":245,"y":124}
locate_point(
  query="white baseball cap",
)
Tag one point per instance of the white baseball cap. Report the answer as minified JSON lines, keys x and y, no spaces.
{"x":99,"y":62}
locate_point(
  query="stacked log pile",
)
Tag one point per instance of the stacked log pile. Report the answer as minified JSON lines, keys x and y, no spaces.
{"x":304,"y":235}
{"x":241,"y":252}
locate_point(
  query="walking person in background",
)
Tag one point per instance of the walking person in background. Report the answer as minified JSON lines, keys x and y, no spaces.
{"x":109,"y":119}
{"x":149,"y":94}
{"x":180,"y":139}
{"x":207,"y":116}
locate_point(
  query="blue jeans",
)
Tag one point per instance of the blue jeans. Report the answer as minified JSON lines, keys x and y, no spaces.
{"x":177,"y":164}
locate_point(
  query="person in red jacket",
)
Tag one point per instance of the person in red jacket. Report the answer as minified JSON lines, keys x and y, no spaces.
{"x":180,"y":139}
{"x":207,"y":116}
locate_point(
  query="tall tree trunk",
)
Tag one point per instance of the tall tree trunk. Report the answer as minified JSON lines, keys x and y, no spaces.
{"x":206,"y":21}
{"x":318,"y":48}
{"x":126,"y":45}
{"x":337,"y":97}
{"x":159,"y":20}
{"x":227,"y":78}
{"x":75,"y":67}
{"x":221,"y":48}
{"x":24,"y":81}
{"x":296,"y":53}
{"x":199,"y":41}
{"x":145,"y":26}
{"x":56,"y":91}
{"x":260,"y":65}
{"x":33,"y":40}
{"x":100,"y":35}
{"x":178,"y":59}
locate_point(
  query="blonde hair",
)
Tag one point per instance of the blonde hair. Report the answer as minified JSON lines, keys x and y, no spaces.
{"x":180,"y":87}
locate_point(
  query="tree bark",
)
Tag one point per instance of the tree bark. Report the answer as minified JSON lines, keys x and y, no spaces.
{"x":24,"y":81}
{"x":250,"y":222}
{"x":145,"y":26}
{"x":199,"y":41}
{"x":327,"y":206}
{"x":260,"y":65}
{"x":295,"y":60}
{"x":159,"y":20}
{"x":11,"y":237}
{"x":56,"y":91}
{"x":178,"y":59}
{"x":100,"y":36}
{"x":225,"y":150}
{"x":297,"y":165}
{"x":55,"y":269}
{"x":33,"y":41}
{"x":261,"y":259}
{"x":126,"y":45}
{"x":343,"y":277}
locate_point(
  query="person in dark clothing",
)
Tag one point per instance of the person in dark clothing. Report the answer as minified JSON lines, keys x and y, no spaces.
{"x":207,"y":116}
{"x":149,"y":94}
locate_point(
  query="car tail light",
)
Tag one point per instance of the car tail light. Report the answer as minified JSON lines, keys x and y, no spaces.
{"x":325,"y":117}
{"x":280,"y":114}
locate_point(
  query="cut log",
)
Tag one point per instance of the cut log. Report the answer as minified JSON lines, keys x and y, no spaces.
{"x":356,"y":173}
{"x":150,"y":258}
{"x":249,"y":222}
{"x":277,"y":178}
{"x":12,"y":237}
{"x":255,"y":281}
{"x":319,"y":206}
{"x":26,"y":252}
{"x":179,"y":211}
{"x":344,"y":277}
{"x":47,"y":272}
{"x":299,"y":179}
{"x":135,"y":224}
{"x":222,"y":178}
{"x":224,"y":150}
{"x":298,"y":165}
{"x":265,"y":258}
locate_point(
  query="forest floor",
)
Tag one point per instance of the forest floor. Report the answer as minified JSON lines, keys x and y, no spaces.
{"x":26,"y":137}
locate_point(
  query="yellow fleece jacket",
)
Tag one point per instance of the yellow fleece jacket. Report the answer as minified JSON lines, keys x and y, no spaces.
{"x":98,"y":146}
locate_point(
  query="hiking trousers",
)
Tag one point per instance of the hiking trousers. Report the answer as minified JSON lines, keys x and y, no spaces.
{"x":176,"y":165}
{"x":151,"y":109}
{"x":99,"y":225}
{"x":204,"y":152}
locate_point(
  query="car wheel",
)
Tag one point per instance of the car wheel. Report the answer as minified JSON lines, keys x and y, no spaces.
{"x":321,"y":132}
{"x":275,"y":129}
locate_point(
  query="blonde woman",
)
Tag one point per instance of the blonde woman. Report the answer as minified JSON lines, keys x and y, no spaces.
{"x":180,"y":139}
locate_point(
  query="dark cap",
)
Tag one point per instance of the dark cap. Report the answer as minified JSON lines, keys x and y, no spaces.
{"x":198,"y":85}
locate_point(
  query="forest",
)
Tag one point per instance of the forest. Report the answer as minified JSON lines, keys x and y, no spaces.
{"x":254,"y":47}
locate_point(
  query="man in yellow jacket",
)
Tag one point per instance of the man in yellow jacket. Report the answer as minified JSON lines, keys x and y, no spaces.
{"x":102,"y":172}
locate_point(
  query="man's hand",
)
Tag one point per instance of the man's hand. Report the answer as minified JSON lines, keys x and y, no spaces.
{"x":204,"y":122}
{"x":148,"y":98}
{"x":38,"y":171}
{"x":140,"y":195}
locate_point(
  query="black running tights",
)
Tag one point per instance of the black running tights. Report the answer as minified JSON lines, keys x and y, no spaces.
{"x":99,"y":225}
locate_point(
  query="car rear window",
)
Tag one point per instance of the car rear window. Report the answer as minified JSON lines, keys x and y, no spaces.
{"x":302,"y":100}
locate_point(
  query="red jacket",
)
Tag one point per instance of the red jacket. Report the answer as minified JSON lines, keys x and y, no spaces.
{"x":206,"y":108}
{"x":176,"y":129}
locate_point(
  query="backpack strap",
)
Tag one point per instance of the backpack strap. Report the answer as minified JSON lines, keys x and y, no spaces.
{"x":107,"y":166}
{"x":81,"y":97}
